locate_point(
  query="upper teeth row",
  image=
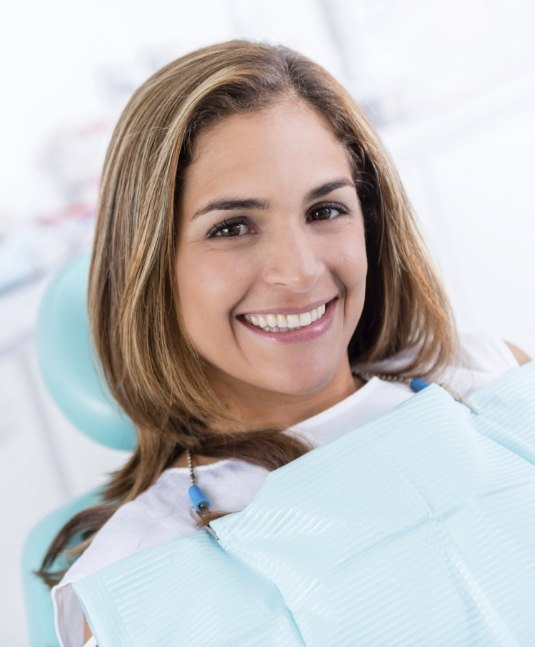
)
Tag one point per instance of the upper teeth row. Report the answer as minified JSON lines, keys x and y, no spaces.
{"x":271,"y":321}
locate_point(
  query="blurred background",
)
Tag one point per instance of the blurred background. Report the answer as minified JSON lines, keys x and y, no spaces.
{"x":450,"y":87}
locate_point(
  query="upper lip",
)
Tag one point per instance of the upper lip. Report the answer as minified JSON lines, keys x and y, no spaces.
{"x":290,"y":310}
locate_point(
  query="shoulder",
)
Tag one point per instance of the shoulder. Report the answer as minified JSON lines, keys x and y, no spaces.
{"x":485,"y":348}
{"x":520,"y":355}
{"x":484,"y":352}
{"x":481,"y":359}
{"x":157,"y":515}
{"x":477,"y":351}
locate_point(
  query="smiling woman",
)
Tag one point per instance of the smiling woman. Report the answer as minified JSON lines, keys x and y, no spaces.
{"x":258,"y":287}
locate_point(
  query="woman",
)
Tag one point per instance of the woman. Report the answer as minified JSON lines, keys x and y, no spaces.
{"x":255,"y":263}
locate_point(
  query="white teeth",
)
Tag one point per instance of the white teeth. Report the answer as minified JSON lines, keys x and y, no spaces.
{"x":281,"y":323}
{"x":293,"y":321}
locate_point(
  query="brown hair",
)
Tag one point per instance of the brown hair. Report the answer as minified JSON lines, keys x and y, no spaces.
{"x":152,"y":369}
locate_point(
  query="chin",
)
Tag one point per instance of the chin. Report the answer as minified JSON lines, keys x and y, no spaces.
{"x":298,"y":386}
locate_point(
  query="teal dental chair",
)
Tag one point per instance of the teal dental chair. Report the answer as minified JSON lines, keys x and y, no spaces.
{"x":73,"y":378}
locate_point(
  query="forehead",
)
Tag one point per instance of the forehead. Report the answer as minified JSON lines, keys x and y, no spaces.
{"x":287,"y":141}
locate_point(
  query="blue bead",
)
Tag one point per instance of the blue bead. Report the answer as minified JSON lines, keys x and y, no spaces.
{"x":418,"y":384}
{"x":197,"y":497}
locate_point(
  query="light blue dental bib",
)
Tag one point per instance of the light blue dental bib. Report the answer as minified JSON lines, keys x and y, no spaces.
{"x":417,"y":529}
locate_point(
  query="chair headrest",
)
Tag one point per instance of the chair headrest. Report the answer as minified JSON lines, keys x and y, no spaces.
{"x":69,"y":365}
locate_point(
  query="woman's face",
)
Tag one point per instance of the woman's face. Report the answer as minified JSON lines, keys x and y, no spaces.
{"x":271,"y":262}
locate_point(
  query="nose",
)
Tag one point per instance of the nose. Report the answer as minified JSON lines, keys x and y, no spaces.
{"x":293,"y":260}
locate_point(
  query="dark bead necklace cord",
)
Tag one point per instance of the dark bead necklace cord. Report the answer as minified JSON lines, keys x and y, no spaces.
{"x":199,"y":501}
{"x":418,"y":384}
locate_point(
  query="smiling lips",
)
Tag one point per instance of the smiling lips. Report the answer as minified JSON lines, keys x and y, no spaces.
{"x":286,"y":322}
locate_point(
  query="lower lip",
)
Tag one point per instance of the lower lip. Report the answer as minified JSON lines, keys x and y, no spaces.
{"x":309,"y":333}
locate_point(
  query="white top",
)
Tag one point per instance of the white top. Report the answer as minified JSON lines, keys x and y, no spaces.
{"x":162,"y":512}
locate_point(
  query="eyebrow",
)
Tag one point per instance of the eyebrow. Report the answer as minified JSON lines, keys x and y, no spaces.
{"x":326,"y":188}
{"x":231,"y":204}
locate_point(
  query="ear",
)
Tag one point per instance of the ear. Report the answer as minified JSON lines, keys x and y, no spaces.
{"x":521,"y":356}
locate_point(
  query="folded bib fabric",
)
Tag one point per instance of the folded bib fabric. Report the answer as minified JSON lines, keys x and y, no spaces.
{"x":417,"y":529}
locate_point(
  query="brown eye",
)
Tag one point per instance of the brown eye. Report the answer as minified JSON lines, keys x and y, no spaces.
{"x":229,"y":229}
{"x":326,"y":212}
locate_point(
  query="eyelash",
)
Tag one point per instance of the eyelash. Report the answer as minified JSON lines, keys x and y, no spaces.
{"x":216,"y":230}
{"x":344,"y":211}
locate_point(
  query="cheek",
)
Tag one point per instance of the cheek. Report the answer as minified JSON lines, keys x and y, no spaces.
{"x":208,"y":287}
{"x":352,"y":261}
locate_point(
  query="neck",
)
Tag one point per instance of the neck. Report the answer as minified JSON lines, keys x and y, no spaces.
{"x":259,"y":408}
